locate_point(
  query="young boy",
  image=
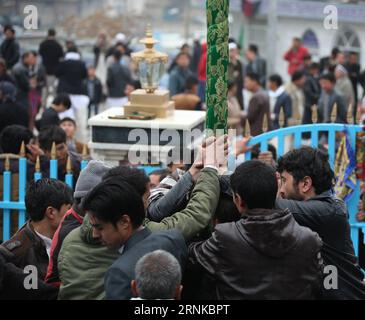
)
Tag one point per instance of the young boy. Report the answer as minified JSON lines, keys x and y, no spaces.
{"x":94,"y":90}
{"x":69,"y":126}
{"x":46,"y":202}
{"x":50,"y":117}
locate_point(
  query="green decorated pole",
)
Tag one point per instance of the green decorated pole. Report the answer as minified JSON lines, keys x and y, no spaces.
{"x":217,"y":65}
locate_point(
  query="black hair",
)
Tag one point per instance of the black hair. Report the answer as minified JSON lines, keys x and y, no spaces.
{"x":163,"y":173}
{"x":51,"y":32}
{"x":276,"y":79}
{"x":46,"y":193}
{"x":180,"y":54}
{"x":254,"y":48}
{"x":255,"y":151}
{"x":310,"y":162}
{"x":64,"y":99}
{"x":67,"y":119}
{"x":231,"y":84}
{"x":297,"y":39}
{"x":226,"y":210}
{"x":297,"y":75}
{"x":11,"y":138}
{"x":113,"y":198}
{"x":328,"y":76}
{"x":27,"y":53}
{"x":255,"y":182}
{"x":191,"y":81}
{"x":307,"y":57}
{"x":117,"y":55}
{"x":9,"y":27}
{"x":335,"y":51}
{"x":315,"y":66}
{"x":253,"y":76}
{"x":49,"y":135}
{"x":134,"y":176}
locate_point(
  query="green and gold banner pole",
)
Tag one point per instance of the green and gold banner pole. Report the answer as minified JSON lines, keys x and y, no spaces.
{"x":217,"y":66}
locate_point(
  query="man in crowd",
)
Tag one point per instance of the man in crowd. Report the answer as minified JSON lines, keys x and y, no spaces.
{"x":296,"y":93}
{"x":21,"y":72}
{"x":311,"y":90}
{"x":235,"y":71}
{"x":280,"y":100}
{"x":46,"y":202}
{"x":89,"y":178}
{"x":157,"y":277}
{"x":11,"y":112}
{"x":254,"y":258}
{"x":50,"y":117}
{"x":328,"y":99}
{"x":295,"y":56}
{"x":344,"y":87}
{"x":256,"y":64}
{"x":179,"y":74}
{"x":306,"y":183}
{"x":259,"y":105}
{"x":55,"y":134}
{"x":118,"y":76}
{"x":9,"y":49}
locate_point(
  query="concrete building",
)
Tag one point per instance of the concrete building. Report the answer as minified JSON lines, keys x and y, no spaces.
{"x":305,"y":19}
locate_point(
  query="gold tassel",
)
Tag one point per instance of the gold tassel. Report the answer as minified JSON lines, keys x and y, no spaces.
{"x":247,"y":129}
{"x":22,"y":150}
{"x":265,"y":123}
{"x":38,"y":165}
{"x":53,"y":151}
{"x":69,"y":165}
{"x":314,"y":113}
{"x":7,"y":163}
{"x":350,"y":119}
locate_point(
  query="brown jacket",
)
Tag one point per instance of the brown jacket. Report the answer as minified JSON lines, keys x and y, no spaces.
{"x":26,"y":248}
{"x":259,"y":106}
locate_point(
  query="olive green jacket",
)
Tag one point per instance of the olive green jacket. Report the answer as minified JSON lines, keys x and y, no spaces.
{"x":83,"y":261}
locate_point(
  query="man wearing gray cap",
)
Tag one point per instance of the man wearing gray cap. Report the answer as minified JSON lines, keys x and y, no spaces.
{"x":89,"y":178}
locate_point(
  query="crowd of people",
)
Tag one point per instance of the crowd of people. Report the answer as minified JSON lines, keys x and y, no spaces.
{"x":268,"y":230}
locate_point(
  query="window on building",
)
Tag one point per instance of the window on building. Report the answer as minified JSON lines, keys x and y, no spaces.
{"x":310,"y":41}
{"x":347,"y":41}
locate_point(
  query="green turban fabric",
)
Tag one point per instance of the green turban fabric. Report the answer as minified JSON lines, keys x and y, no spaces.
{"x":217,"y":65}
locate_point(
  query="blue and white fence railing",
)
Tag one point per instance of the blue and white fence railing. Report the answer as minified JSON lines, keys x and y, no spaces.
{"x":11,"y":206}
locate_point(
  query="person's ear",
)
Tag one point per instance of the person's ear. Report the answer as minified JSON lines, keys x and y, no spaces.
{"x":134,"y":288}
{"x":125,"y":222}
{"x":51,"y":213}
{"x":178,"y":292}
{"x":307,"y":184}
{"x":240,"y":204}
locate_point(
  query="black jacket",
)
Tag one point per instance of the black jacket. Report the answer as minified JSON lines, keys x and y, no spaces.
{"x":283,"y":102}
{"x":117,"y":79}
{"x":98,"y":90}
{"x":51,"y":52}
{"x":119,"y":275}
{"x":328,"y":216}
{"x":12,"y":285}
{"x":21,"y":75}
{"x":10,"y":52}
{"x":13,"y":113}
{"x":265,"y":255}
{"x":71,"y":74}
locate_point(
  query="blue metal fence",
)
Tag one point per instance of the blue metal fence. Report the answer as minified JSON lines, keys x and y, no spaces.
{"x":18,"y":207}
{"x":330,"y":130}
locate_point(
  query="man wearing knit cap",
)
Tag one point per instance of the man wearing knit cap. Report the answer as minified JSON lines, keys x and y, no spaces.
{"x":89,"y":178}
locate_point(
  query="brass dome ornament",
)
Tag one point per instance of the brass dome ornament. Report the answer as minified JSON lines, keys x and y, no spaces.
{"x":150,"y":62}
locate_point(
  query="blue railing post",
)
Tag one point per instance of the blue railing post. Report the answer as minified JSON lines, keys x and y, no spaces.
{"x":69,"y":175}
{"x":53,"y":171}
{"x":22,"y":187}
{"x":6,"y":200}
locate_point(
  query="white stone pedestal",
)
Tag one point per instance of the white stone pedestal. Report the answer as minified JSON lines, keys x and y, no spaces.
{"x":117,"y":140}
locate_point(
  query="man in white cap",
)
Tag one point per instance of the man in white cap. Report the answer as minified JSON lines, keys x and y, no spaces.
{"x":344,"y":86}
{"x":89,"y":178}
